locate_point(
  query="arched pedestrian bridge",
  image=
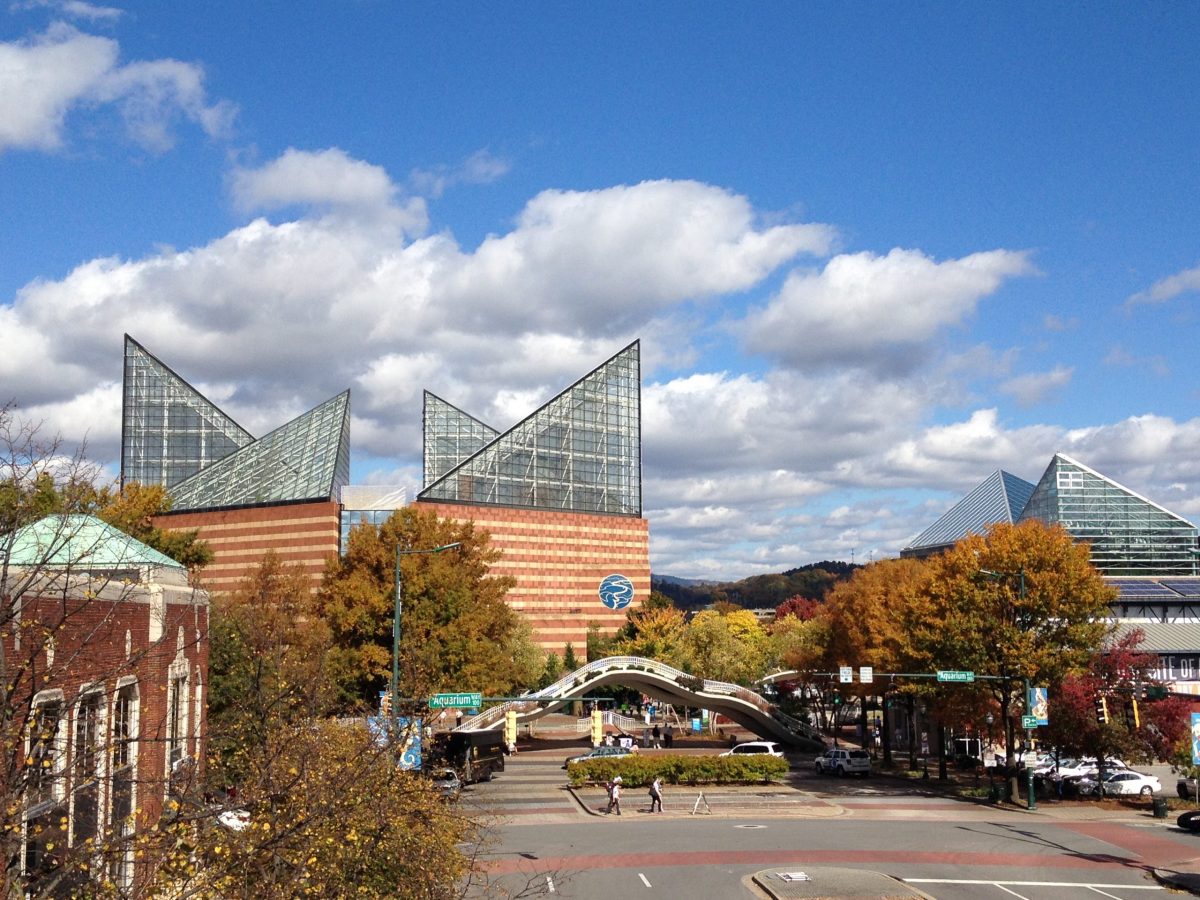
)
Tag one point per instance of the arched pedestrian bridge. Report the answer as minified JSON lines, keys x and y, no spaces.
{"x":750,"y":710}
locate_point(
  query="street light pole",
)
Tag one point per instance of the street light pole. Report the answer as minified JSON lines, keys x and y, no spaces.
{"x":396,"y":626}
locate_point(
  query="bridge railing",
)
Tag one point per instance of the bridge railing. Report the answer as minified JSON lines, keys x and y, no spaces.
{"x":575,"y":682}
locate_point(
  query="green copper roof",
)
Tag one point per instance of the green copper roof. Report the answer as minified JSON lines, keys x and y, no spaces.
{"x":80,"y":542}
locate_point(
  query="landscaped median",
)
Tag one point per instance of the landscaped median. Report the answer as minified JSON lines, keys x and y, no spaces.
{"x":636,"y":770}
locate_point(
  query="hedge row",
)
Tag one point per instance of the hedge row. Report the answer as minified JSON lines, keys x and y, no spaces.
{"x":638,"y":770}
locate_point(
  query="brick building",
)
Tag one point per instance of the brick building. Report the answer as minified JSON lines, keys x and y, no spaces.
{"x":106,"y":648}
{"x":559,"y":492}
{"x":244,"y":495}
{"x":561,"y":495}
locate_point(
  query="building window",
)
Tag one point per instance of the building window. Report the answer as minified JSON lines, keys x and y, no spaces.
{"x":123,"y":777}
{"x":177,"y":721}
{"x":44,"y":811}
{"x":87,"y":757}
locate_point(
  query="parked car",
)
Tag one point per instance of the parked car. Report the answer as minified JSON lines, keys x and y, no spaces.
{"x":447,"y":783}
{"x":1186,"y":788}
{"x":750,"y":748}
{"x":1124,"y":782}
{"x":598,"y":753}
{"x":839,"y":761}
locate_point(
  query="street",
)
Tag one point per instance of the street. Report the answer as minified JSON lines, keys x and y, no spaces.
{"x":543,"y":842}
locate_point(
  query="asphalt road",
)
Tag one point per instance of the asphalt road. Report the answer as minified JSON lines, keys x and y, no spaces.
{"x":544,"y":843}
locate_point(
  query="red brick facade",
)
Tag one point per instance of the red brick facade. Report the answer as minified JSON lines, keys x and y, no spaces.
{"x":558,"y":560}
{"x":110,"y":680}
{"x":300,"y":533}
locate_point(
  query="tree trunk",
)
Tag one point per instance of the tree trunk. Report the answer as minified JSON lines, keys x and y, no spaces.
{"x":1010,"y":754}
{"x":941,"y":739}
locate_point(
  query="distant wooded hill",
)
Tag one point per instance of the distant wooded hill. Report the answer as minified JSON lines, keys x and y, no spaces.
{"x":758,"y":591}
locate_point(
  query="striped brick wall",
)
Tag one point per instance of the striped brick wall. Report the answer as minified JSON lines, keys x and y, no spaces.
{"x":558,"y":560}
{"x":304,"y":533}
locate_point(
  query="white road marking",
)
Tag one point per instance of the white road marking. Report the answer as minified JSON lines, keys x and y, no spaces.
{"x":1092,"y":887}
{"x":1071,"y":884}
{"x":644,"y":881}
{"x":1014,"y":893}
{"x":550,"y":884}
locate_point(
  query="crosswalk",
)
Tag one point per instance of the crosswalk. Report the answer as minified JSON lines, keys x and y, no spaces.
{"x":530,"y":790}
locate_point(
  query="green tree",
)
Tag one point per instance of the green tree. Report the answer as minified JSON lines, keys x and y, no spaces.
{"x":457,"y":629}
{"x":570,"y":661}
{"x":552,"y":672}
{"x":729,"y":647}
{"x":1021,"y":602}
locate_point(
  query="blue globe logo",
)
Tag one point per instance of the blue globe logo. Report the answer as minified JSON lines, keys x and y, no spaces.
{"x":616,"y":592}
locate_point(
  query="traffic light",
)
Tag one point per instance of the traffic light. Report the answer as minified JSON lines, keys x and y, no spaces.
{"x":1132,"y":719}
{"x":1101,"y":709}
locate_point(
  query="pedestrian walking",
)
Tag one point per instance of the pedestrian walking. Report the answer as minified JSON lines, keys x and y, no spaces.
{"x":669,"y":735}
{"x":614,"y":795}
{"x":656,"y":795}
{"x":656,"y":734}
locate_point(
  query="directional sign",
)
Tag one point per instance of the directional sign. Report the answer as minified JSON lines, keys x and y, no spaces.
{"x":1029,"y":721}
{"x":846,"y":675}
{"x":442,"y":701}
{"x":866,"y":674}
{"x":948,"y":675}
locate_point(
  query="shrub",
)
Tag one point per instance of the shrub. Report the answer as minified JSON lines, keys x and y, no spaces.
{"x":638,"y":770}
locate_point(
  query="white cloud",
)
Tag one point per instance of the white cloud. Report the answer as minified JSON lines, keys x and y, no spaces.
{"x":322,"y":178}
{"x":743,"y":472}
{"x":588,"y":260}
{"x":879,"y":312}
{"x":1033,"y":388}
{"x":1185,"y":282}
{"x":46,"y":77}
{"x":481,"y":167}
{"x":75,"y":9}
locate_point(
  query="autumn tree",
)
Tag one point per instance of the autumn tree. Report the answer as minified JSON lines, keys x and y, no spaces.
{"x":866,"y":620}
{"x":654,"y":631}
{"x":726,"y":646}
{"x":269,"y":664}
{"x":803,"y":608}
{"x":1121,"y":673}
{"x":321,"y":809}
{"x":1021,"y":602}
{"x":457,"y":629}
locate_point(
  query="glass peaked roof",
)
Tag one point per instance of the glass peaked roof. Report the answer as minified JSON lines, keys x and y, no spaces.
{"x":579,"y":452}
{"x":1000,"y":498}
{"x":1129,"y":535}
{"x":450,"y":437}
{"x":169,"y":430}
{"x":306,"y":459}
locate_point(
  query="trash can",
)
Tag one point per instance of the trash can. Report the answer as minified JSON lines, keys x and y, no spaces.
{"x":1160,"y":807}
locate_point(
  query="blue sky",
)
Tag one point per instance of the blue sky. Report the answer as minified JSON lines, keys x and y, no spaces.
{"x":873,"y":253}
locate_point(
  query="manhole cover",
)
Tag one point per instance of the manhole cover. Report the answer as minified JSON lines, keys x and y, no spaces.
{"x":749,"y":826}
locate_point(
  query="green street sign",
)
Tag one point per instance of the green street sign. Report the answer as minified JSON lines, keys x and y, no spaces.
{"x":1029,"y":722}
{"x":442,"y":701}
{"x":948,"y":675}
